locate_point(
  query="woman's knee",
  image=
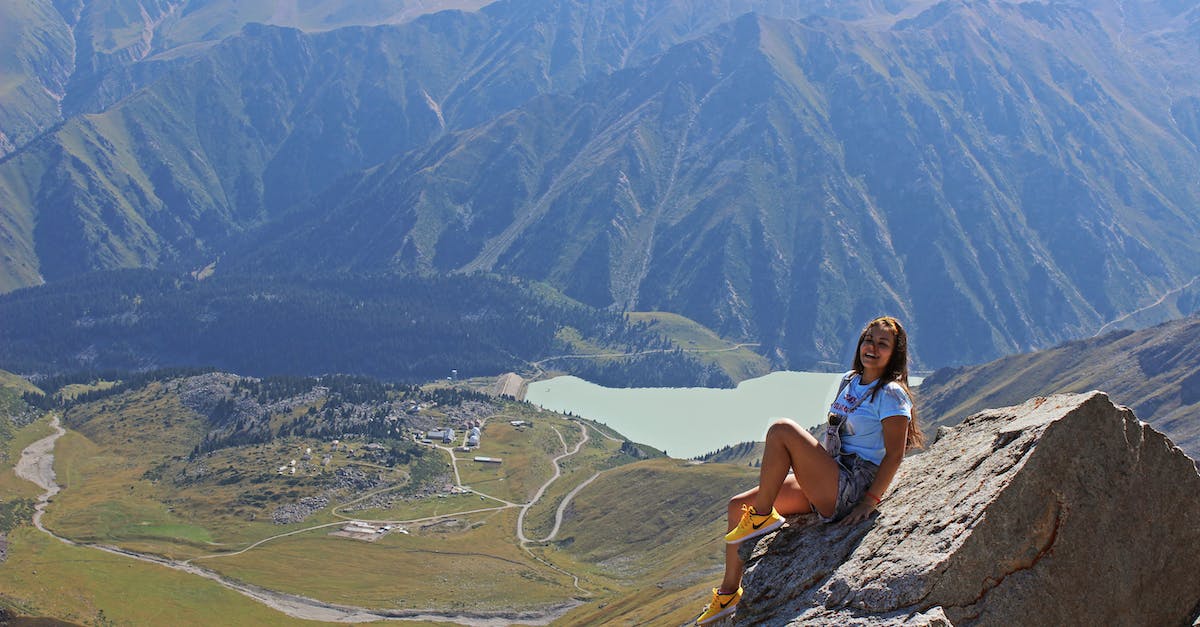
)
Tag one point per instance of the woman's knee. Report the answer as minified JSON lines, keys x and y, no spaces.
{"x":737,"y":501}
{"x":784,"y":428}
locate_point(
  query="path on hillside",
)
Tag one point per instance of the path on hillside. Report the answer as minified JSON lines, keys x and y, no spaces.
{"x":557,"y":473}
{"x":562,"y":507}
{"x":727,"y":349}
{"x":540,"y":371}
{"x":1152,"y":305}
{"x":37,"y":466}
{"x":583,"y":427}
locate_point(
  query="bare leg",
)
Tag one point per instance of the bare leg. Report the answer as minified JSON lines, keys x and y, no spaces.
{"x":788,"y":446}
{"x":790,"y":501}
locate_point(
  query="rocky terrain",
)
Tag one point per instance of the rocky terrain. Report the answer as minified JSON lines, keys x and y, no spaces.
{"x":1062,"y":510}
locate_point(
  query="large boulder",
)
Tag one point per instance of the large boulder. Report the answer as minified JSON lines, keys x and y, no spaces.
{"x":1062,"y":511}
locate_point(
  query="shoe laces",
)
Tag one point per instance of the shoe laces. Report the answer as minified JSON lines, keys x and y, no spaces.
{"x":748,"y":511}
{"x":716,"y":597}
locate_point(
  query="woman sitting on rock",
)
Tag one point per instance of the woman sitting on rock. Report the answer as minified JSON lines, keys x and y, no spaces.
{"x":871,"y":422}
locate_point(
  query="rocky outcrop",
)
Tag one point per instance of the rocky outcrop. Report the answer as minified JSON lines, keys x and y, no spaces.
{"x":1062,"y":511}
{"x":299,"y":511}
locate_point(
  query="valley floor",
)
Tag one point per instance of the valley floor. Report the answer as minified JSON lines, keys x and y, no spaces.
{"x":36,"y":465}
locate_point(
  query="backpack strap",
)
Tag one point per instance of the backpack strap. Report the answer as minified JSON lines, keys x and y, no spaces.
{"x":842,"y":388}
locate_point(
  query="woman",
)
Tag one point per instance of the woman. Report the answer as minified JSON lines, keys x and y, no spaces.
{"x":874,"y":420}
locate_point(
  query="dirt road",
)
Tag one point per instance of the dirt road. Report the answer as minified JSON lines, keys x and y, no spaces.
{"x":37,"y":465}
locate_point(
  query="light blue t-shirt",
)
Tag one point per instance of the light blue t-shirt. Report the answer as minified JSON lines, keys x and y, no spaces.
{"x":863,"y":433}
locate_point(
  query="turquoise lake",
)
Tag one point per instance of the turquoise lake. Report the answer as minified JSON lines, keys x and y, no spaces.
{"x":687,"y":422}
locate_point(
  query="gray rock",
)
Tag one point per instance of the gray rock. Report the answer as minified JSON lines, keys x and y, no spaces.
{"x":298,"y":511}
{"x":1062,"y":511}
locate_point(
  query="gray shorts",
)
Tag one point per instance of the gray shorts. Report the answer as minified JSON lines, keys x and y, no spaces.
{"x":855,"y":476}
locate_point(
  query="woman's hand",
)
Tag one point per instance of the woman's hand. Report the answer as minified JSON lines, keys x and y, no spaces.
{"x":861,"y":512}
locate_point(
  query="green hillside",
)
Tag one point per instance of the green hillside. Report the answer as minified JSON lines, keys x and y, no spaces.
{"x":738,"y":360}
{"x":1152,"y":371}
{"x":132,"y":479}
{"x":752,"y":178}
{"x":19,"y":385}
{"x":667,"y":551}
{"x":749,"y":165}
{"x":399,"y":328}
{"x":35,"y":63}
{"x":15,"y":418}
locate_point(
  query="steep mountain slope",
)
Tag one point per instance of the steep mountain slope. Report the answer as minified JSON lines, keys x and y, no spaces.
{"x":62,"y":58}
{"x":1026,"y":168}
{"x":398,"y":328}
{"x":36,"y":52}
{"x":231,"y":134}
{"x":1154,"y":371}
{"x":784,"y":181}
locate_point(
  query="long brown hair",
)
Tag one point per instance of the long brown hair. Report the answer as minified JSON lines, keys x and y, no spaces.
{"x":895,"y":370}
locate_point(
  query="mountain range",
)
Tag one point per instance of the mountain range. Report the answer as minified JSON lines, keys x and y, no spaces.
{"x":1002,"y":175}
{"x":1152,"y":371}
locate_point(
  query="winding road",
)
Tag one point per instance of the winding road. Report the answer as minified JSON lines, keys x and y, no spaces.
{"x":37,"y":466}
{"x":557,"y":473}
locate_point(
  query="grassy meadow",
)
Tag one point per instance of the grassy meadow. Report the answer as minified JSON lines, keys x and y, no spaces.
{"x":11,"y":487}
{"x":17,"y":383}
{"x":739,"y":363}
{"x":43,"y":576}
{"x":662,"y":555}
{"x":128,"y":482}
{"x":464,"y":563}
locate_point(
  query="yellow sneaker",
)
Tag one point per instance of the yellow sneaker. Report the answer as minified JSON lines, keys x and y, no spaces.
{"x":754,"y":524}
{"x":721,"y":605}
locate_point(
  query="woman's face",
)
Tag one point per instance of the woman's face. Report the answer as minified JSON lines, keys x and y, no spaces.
{"x":875,"y":350}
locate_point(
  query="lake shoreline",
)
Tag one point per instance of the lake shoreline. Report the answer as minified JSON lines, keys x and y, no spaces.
{"x":690,"y":422}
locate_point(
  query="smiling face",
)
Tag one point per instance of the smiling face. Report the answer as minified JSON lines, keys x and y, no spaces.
{"x":875,"y":351}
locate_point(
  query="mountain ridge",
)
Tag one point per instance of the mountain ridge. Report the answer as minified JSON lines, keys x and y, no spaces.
{"x":1014,"y":164}
{"x":1150,"y":370}
{"x":1056,"y":273}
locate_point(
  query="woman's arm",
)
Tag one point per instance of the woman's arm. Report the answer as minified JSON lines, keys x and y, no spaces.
{"x":895,"y":434}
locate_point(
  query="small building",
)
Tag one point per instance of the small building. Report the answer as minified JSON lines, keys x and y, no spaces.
{"x":488,"y":460}
{"x":448,"y":436}
{"x":517,"y":423}
{"x":357,"y":526}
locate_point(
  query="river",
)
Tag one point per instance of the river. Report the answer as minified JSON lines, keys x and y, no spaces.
{"x":688,"y":422}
